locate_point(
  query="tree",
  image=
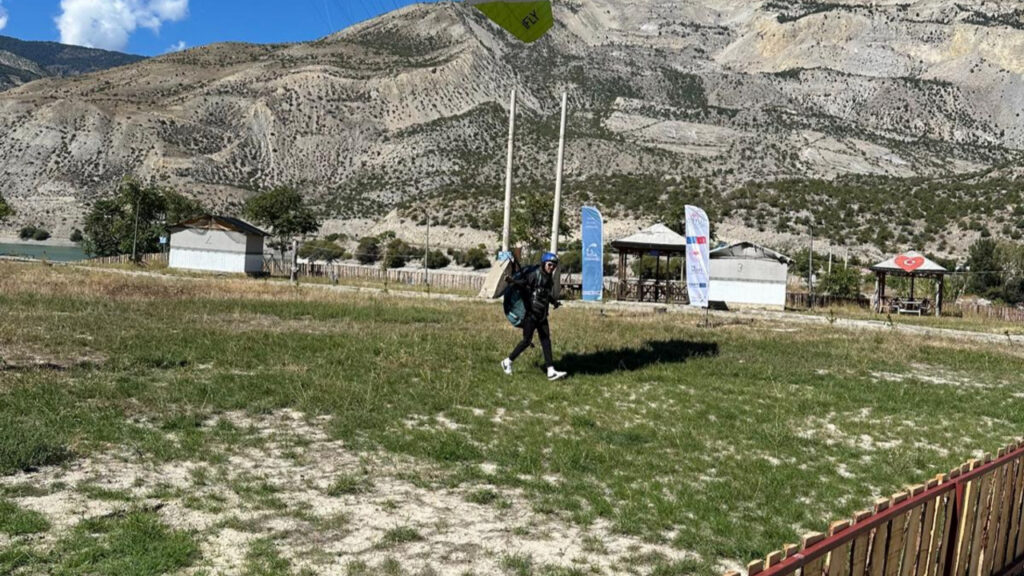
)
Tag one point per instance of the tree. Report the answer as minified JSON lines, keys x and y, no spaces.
{"x":397,"y":253}
{"x":531,"y":222}
{"x":477,"y":259}
{"x":437,"y":259}
{"x":368,"y":250}
{"x":986,"y":272}
{"x":321,"y":251}
{"x":842,"y":282}
{"x":5,"y":209}
{"x":283,"y":210}
{"x":137,"y":216}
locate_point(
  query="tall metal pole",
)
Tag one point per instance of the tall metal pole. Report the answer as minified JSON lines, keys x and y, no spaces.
{"x":507,"y":226}
{"x":426,"y":257}
{"x":810,"y":266}
{"x":135,"y":237}
{"x":558,"y":180}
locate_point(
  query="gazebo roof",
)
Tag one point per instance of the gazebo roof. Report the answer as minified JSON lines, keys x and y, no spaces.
{"x":657,"y":237}
{"x":910,"y":263}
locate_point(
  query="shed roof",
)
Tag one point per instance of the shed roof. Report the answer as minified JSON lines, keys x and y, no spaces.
{"x":749,"y":251}
{"x":657,"y":237}
{"x":911,"y":263}
{"x":212,"y":222}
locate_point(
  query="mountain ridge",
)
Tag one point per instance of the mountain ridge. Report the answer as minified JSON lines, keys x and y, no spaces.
{"x":669,"y":103}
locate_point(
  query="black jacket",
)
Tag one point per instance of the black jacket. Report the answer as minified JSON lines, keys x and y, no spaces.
{"x":536,"y":288}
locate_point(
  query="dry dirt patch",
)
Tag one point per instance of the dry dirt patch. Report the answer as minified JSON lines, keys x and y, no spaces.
{"x":325,"y":507}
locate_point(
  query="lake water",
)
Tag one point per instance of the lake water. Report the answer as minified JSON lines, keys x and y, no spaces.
{"x":41,"y":251}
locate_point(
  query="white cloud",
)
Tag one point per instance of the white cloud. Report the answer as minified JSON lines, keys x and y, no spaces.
{"x":108,"y":24}
{"x":3,"y":16}
{"x":177,"y":47}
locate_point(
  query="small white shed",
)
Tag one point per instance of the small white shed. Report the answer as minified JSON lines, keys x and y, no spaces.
{"x":748,"y":275}
{"x":217,"y":244}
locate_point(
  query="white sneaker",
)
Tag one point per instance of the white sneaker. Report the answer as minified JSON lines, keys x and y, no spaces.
{"x":555,"y":374}
{"x":506,"y":365}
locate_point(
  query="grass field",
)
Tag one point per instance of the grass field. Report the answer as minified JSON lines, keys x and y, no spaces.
{"x":184,"y":426}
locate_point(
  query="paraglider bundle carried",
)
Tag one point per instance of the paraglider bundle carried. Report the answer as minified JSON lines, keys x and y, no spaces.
{"x":514,"y":300}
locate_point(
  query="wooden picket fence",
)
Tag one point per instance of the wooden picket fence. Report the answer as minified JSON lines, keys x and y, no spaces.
{"x":991,"y":312}
{"x":441,"y":280}
{"x":969,"y":522}
{"x":148,"y":260}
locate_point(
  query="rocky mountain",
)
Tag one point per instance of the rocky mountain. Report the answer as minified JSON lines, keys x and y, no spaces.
{"x":885,"y":123}
{"x":22,"y":62}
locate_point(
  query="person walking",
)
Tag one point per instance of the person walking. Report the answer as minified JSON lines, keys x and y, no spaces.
{"x":536,"y":288}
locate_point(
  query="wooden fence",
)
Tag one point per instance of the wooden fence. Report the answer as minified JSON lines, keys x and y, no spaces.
{"x":805,"y":300}
{"x":969,"y":522}
{"x":991,"y":312}
{"x":444,"y":280}
{"x":158,"y":259}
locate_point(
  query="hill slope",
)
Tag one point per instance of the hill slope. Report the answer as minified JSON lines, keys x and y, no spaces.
{"x":670,"y":102}
{"x":22,"y":61}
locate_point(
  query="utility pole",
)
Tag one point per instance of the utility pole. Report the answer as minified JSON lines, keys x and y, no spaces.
{"x":295,"y":261}
{"x":426,"y":257}
{"x":558,"y":180}
{"x":135,"y":237}
{"x":506,"y":227}
{"x":810,"y":264}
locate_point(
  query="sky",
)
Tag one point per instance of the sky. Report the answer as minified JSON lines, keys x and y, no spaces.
{"x":153,"y":27}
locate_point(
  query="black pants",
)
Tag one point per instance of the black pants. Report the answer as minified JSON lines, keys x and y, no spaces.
{"x":531,"y":325}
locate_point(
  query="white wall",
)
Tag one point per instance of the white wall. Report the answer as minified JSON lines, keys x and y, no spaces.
{"x":741,"y":293}
{"x":748,"y":282}
{"x":190,"y":259}
{"x":216,"y":251}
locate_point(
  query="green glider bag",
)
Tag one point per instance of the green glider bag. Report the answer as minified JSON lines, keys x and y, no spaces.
{"x":515,"y":306}
{"x":527,"y":20}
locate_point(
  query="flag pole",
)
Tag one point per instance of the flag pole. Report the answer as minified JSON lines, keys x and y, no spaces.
{"x":558,"y":179}
{"x":507,"y":225}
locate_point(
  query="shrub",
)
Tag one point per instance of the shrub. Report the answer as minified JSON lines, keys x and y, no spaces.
{"x":368,"y":250}
{"x":41,"y":235}
{"x":437,"y":259}
{"x":321,"y":251}
{"x":27,"y":233}
{"x":397,"y":254}
{"x":477,"y":259}
{"x":76,"y":236}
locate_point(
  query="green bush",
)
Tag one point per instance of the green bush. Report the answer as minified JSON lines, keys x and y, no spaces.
{"x":321,"y":251}
{"x":76,"y":236}
{"x":41,"y":235}
{"x":437,"y":259}
{"x":27,"y":233}
{"x":477,"y":258}
{"x":397,"y":254}
{"x":368,"y":250}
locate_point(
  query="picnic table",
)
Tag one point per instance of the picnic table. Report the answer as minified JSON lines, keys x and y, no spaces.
{"x":910,"y":306}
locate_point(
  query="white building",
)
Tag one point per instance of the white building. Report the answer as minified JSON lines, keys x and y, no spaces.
{"x":217,"y":244}
{"x":746,"y":275}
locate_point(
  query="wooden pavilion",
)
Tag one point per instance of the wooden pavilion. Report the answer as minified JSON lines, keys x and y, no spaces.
{"x":911,"y":265}
{"x":658,"y":241}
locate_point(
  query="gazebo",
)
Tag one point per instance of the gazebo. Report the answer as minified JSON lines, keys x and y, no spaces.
{"x":911,"y":265}
{"x":658,"y":240}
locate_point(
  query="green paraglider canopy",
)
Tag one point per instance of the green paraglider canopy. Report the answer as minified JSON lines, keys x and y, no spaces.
{"x":527,"y":20}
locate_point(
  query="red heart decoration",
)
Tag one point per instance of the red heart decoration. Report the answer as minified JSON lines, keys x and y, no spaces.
{"x":909,"y":263}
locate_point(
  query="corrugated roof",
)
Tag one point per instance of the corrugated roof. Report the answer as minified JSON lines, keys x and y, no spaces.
{"x":750,"y":251}
{"x":212,"y":222}
{"x":912,"y":262}
{"x":657,"y":237}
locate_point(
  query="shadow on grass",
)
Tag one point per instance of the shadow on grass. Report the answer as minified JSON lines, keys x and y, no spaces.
{"x":630,"y":359}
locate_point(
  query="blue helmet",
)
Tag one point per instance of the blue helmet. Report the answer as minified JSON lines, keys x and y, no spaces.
{"x":549,"y":257}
